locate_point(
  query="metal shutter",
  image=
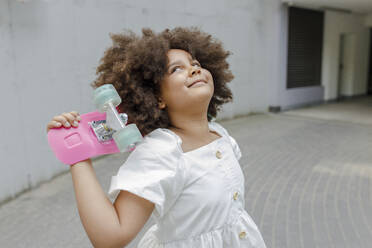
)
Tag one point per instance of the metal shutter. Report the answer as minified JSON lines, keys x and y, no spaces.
{"x":305,"y":41}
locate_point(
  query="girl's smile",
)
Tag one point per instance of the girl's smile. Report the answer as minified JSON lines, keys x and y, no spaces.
{"x":199,"y":82}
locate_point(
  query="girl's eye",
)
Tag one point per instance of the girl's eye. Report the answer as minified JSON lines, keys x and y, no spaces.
{"x":179,"y":67}
{"x":175,"y":68}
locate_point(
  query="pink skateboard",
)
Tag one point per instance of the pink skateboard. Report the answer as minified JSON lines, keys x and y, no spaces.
{"x":97,"y":133}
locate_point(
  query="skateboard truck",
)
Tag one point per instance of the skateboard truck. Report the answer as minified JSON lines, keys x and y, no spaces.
{"x":106,"y":98}
{"x":103,"y":131}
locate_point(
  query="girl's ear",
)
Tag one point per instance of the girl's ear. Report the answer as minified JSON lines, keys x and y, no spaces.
{"x":161,"y":104}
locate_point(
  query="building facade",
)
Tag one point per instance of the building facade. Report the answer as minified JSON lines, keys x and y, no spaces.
{"x":50,"y":49}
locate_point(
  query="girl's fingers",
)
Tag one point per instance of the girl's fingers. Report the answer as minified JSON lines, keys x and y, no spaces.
{"x":59,"y":118}
{"x":76,"y":115}
{"x":62,"y":119}
{"x":65,"y":119}
{"x":71,"y":119}
{"x":53,"y":124}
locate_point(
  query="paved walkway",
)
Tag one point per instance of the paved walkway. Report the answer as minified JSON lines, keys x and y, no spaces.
{"x":308,"y":181}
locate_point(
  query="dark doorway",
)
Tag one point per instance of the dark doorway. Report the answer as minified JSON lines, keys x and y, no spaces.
{"x":369,"y":90}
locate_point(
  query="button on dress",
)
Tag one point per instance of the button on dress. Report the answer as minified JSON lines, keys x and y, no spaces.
{"x":198,"y":195}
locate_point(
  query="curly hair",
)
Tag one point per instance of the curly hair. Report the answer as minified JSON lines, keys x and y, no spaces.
{"x":136,"y":65}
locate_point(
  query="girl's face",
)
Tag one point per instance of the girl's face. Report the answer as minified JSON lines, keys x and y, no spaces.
{"x":186,"y":85}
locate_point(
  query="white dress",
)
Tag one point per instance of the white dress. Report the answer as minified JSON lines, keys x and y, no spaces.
{"x":198,"y":195}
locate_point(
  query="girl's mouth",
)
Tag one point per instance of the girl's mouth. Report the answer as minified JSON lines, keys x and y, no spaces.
{"x":197,"y":82}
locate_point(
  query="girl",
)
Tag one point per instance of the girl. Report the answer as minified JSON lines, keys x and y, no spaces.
{"x":186,"y":172}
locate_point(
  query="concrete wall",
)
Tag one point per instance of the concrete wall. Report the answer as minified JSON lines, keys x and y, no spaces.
{"x":335,"y":25}
{"x":50,"y":49}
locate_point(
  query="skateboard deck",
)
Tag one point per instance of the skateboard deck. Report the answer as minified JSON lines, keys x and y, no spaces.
{"x":91,"y":138}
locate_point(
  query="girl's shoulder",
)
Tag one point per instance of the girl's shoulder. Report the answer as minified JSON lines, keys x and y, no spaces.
{"x":215,"y":126}
{"x":159,"y":141}
{"x":157,"y":149}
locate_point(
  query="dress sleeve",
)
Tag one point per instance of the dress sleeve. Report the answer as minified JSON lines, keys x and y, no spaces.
{"x":236,"y":148}
{"x":156,"y":177}
{"x":233,"y":142}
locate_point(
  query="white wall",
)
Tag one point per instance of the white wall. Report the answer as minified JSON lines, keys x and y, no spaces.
{"x":335,"y":25}
{"x":50,"y":49}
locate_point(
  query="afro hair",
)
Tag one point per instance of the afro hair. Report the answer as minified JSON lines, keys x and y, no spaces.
{"x":136,"y":65}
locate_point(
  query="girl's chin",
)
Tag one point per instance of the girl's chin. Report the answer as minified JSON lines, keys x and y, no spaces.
{"x":201,"y":95}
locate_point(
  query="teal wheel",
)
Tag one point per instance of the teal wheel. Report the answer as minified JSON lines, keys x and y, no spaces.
{"x":126,"y":138}
{"x":105,"y":94}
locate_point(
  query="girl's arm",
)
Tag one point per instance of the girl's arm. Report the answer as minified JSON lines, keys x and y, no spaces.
{"x":106,"y":224}
{"x":97,"y":213}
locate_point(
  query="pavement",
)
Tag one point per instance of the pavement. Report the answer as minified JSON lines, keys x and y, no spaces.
{"x":308,"y":183}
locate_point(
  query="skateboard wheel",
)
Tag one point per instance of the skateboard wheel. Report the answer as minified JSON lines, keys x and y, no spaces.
{"x":105,"y":94}
{"x":125,"y":138}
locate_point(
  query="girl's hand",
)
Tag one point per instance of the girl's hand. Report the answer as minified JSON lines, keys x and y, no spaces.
{"x":66,"y":119}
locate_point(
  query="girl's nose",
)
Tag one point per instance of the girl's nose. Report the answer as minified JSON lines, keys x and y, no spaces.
{"x":194,"y":71}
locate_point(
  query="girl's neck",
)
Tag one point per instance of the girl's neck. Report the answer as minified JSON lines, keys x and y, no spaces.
{"x":192,"y":128}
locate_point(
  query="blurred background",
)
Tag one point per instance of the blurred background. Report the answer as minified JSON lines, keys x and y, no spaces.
{"x":286,"y":56}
